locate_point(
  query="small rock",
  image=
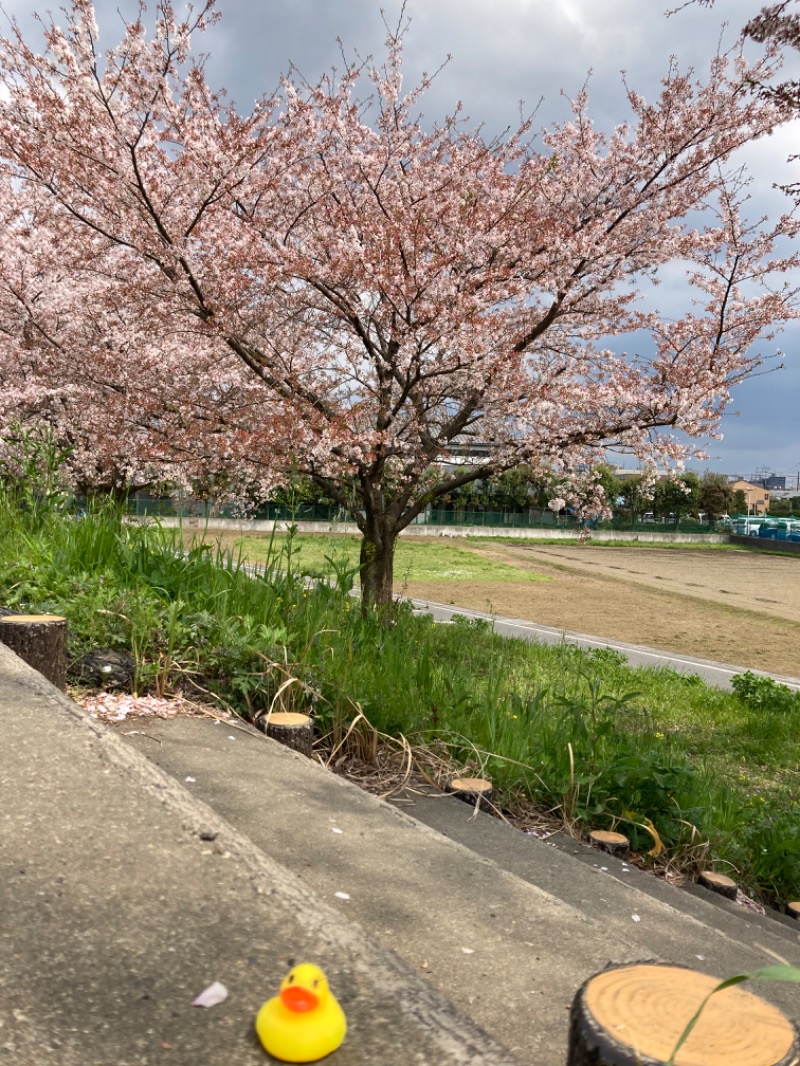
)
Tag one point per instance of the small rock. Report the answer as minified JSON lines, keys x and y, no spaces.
{"x":105,"y":668}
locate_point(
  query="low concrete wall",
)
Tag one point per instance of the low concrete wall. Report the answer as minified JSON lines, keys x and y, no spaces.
{"x":255,"y":525}
{"x":766,"y":544}
{"x":597,"y":536}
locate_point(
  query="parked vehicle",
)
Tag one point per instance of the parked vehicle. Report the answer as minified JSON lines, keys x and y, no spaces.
{"x":780,"y":529}
{"x":747,"y":525}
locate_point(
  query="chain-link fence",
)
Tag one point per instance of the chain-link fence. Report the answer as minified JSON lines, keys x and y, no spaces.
{"x":158,"y":506}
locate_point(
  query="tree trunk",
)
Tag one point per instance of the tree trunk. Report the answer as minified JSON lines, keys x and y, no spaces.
{"x":471,"y":789}
{"x":290,"y":728}
{"x":377,"y":563}
{"x":40,"y":640}
{"x":634,"y":1015}
{"x":614,"y":843}
{"x":718,"y":883}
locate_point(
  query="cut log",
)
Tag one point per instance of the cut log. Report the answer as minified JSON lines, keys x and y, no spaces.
{"x":718,"y":883}
{"x":614,"y":843}
{"x":470,"y":789}
{"x":40,"y":640}
{"x":290,"y":728}
{"x":634,"y":1015}
{"x":793,"y":910}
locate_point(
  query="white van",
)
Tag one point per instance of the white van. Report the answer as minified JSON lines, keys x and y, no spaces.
{"x":748,"y":527}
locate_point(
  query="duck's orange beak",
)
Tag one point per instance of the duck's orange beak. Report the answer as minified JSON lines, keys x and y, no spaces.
{"x":298,"y":999}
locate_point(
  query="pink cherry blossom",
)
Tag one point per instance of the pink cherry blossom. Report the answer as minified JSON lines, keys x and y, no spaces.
{"x":333,"y":286}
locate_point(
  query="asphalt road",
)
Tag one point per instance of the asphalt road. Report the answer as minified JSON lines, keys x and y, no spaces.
{"x":713,"y":673}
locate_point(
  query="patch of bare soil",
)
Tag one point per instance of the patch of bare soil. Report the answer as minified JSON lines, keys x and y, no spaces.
{"x":734,"y":607}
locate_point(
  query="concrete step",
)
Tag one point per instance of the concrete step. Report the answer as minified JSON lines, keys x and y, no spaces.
{"x":580,"y":876}
{"x":504,"y":926}
{"x":123,"y":895}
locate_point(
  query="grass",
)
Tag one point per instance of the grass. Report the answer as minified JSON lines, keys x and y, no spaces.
{"x":415,"y":560}
{"x":705,"y":775}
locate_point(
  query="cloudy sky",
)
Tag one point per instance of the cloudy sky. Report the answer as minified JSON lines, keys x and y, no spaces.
{"x":504,"y":52}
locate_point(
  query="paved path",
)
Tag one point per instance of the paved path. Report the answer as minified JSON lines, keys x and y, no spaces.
{"x":717,"y":674}
{"x":123,"y":895}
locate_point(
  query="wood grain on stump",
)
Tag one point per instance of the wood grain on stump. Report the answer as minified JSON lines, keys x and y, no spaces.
{"x":290,"y":728}
{"x":718,"y":883}
{"x":40,"y":640}
{"x":614,"y":843}
{"x":634,"y":1015}
{"x":470,"y":789}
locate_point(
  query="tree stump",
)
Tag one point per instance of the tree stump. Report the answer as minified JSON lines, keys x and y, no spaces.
{"x":40,"y":640}
{"x":470,"y":789}
{"x":290,"y":728}
{"x":718,"y":883}
{"x":634,"y":1015}
{"x":614,"y":843}
{"x":793,"y":910}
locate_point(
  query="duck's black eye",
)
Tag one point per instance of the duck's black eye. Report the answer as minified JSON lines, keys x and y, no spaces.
{"x":290,"y":978}
{"x":316,"y":982}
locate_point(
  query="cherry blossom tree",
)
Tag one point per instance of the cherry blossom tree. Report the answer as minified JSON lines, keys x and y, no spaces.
{"x":333,"y":285}
{"x":777,"y":25}
{"x":779,"y":22}
{"x":120,"y":398}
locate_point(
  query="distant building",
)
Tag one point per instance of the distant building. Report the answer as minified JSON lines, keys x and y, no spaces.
{"x":625,"y":473}
{"x":772,"y":482}
{"x":757,"y":496}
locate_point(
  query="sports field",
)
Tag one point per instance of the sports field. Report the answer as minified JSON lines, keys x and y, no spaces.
{"x":731,"y":605}
{"x":735,"y":606}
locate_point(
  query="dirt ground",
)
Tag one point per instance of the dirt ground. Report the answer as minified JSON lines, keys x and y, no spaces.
{"x":736,"y":607}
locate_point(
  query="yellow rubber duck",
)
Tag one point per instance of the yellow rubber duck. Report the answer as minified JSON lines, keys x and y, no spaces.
{"x":303,"y":1023}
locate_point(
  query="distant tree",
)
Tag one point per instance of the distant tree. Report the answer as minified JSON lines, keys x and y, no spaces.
{"x":473,"y":496}
{"x":637,"y":495}
{"x":739,"y":502}
{"x":716,"y":495}
{"x":676,"y":496}
{"x":610,"y":483}
{"x":780,"y":507}
{"x":691,"y":482}
{"x":518,"y":489}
